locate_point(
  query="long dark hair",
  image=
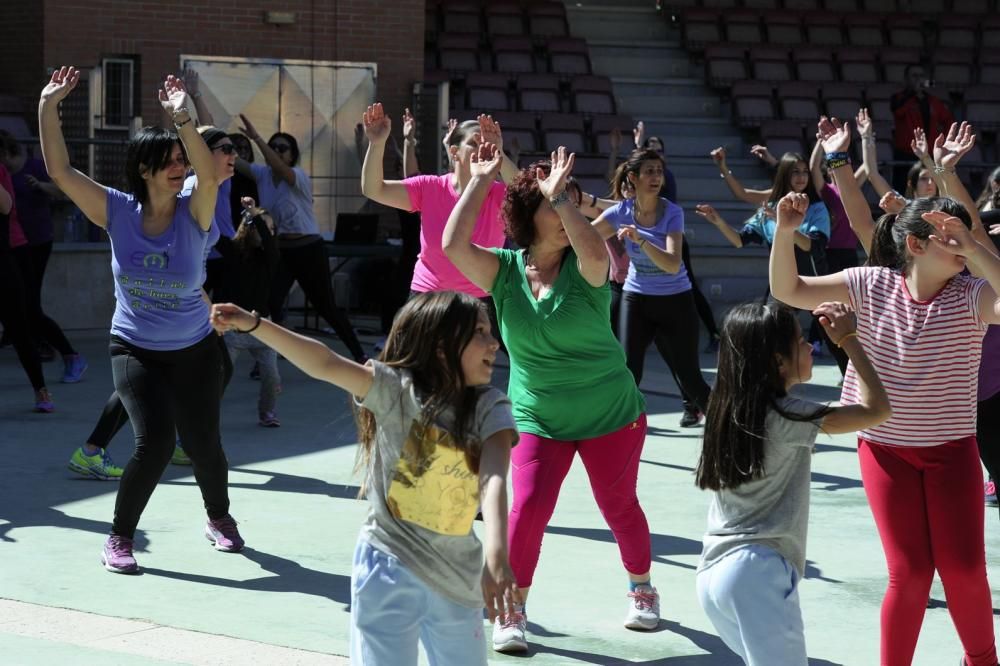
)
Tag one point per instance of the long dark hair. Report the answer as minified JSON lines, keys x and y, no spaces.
{"x":148,"y":151}
{"x":427,"y":338}
{"x":912,"y":178}
{"x":782,"y":184}
{"x":989,"y":194}
{"x":621,"y":186}
{"x":888,"y":247}
{"x":747,"y":386}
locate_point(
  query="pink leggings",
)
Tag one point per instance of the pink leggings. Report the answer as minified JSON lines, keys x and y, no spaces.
{"x":928,"y":507}
{"x":539,"y":466}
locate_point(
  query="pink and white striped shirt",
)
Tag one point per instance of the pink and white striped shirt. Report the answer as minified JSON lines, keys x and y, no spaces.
{"x":926,"y":353}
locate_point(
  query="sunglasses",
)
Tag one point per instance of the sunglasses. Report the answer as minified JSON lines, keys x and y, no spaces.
{"x":226,"y":148}
{"x":280,"y":148}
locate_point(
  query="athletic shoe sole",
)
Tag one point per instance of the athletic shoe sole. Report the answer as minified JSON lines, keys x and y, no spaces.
{"x":639,"y":625}
{"x":112,"y":569}
{"x":221,"y":549}
{"x":90,"y":473}
{"x":510,"y":647}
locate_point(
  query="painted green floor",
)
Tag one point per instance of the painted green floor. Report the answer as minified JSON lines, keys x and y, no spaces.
{"x":292,"y":491}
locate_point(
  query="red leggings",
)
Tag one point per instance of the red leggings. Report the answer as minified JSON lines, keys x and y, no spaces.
{"x":539,"y":466}
{"x":928,"y":507}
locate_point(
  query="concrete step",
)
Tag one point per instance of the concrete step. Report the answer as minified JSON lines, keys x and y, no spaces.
{"x":694,"y":146}
{"x":640,"y":22}
{"x":650,"y":60}
{"x":675,"y":105}
{"x":686,"y":85}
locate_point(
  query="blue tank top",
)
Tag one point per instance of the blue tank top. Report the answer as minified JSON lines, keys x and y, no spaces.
{"x":158,"y":280}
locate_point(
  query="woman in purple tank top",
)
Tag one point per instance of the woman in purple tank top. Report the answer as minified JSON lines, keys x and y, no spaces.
{"x":167,"y":365}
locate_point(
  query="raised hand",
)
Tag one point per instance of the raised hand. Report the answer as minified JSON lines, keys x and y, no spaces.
{"x":709,"y":213}
{"x":892,"y":202}
{"x":190,"y":78}
{"x":719,"y":155}
{"x":555,"y":183}
{"x":452,"y":125}
{"x":834,"y":135}
{"x":865,"y":126}
{"x":61,"y":83}
{"x":247,"y":128}
{"x":377,"y":124}
{"x":639,"y":134}
{"x":173,"y":95}
{"x":763,"y":154}
{"x":919,"y":143}
{"x":792,"y":210}
{"x":837,"y":319}
{"x":951,"y":234}
{"x":948,"y":150}
{"x":485,"y":162}
{"x":615,"y":140}
{"x":409,"y":126}
{"x":489,"y":131}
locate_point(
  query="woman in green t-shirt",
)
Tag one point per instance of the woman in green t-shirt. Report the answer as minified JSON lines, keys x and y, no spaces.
{"x":571,"y":389}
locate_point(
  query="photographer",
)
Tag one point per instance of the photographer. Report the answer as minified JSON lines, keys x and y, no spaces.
{"x":915,"y":108}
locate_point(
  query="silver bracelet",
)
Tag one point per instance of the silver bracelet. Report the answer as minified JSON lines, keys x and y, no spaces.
{"x":941,"y":169}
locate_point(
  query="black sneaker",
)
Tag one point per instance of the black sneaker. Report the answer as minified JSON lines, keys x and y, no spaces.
{"x":690,"y":418}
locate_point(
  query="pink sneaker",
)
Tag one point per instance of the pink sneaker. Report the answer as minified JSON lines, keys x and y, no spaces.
{"x":224,"y":535}
{"x":990,"y":492}
{"x":117,"y":555}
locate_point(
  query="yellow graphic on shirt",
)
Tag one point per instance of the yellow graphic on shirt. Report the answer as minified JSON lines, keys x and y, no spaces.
{"x":432,"y":485}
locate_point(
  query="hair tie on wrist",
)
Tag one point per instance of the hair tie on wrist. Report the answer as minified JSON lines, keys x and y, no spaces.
{"x":593,"y":201}
{"x":852,"y":334}
{"x":256,"y":323}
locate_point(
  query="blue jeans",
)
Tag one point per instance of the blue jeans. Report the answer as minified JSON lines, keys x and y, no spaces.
{"x":391,"y":610}
{"x":751,"y":595}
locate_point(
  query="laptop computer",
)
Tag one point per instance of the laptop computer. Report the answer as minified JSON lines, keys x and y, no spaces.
{"x":356,"y":229}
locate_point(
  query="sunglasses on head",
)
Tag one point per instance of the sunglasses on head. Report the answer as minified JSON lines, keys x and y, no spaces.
{"x":226,"y":148}
{"x":281,"y":148}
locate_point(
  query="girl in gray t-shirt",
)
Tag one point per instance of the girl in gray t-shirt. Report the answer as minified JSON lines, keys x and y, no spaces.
{"x":756,"y":457}
{"x":435,"y":444}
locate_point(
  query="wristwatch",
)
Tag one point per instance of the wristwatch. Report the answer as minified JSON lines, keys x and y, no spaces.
{"x":559,"y":199}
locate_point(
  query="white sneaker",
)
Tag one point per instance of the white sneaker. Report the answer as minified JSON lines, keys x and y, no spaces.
{"x":508,"y":633}
{"x":643,"y":609}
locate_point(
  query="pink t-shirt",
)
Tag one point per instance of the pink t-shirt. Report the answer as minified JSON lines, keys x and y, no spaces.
{"x":925,"y":352}
{"x":435,"y":198}
{"x":17,"y":237}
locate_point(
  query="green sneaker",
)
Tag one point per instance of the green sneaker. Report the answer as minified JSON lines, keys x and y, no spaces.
{"x":179,"y":457}
{"x":98,"y":466}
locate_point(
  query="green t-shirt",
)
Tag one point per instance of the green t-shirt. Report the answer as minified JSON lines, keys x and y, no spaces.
{"x":568,"y":378}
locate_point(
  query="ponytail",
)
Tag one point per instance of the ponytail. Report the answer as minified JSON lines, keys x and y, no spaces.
{"x":883,"y":248}
{"x":621,"y":188}
{"x":888,"y":247}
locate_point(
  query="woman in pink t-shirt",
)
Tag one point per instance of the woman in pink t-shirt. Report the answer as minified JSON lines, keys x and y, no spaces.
{"x":435,"y":197}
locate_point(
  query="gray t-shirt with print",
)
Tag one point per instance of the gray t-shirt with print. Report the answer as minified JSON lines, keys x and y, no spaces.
{"x":771,"y":511}
{"x":423,"y":495}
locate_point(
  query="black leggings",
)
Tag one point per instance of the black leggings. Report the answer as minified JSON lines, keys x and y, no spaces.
{"x":308,"y":265}
{"x":114,"y":417}
{"x":164,"y":392}
{"x":14,"y":317}
{"x":670,"y":323}
{"x":42,"y":326}
{"x":988,"y":434}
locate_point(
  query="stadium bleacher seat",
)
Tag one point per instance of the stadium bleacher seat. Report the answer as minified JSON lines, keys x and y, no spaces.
{"x":752,"y":103}
{"x":724,"y":65}
{"x":563,"y":129}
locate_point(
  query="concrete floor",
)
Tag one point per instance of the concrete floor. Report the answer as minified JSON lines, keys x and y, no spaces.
{"x":284,"y":600}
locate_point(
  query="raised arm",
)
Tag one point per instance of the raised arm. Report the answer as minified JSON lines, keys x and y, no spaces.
{"x":755,"y":197}
{"x":873,"y":405}
{"x":587,"y":243}
{"x":311,"y":356}
{"x":373,"y":184}
{"x":816,"y":165}
{"x":836,"y":138}
{"x":787,"y":285}
{"x":500,"y":591}
{"x":410,"y":166}
{"x":478,"y":264}
{"x":174,"y":100}
{"x":948,"y":150}
{"x":920,"y":148}
{"x":89,"y":196}
{"x":709,"y":213}
{"x":279,"y":169}
{"x":951,"y":234}
{"x":193,"y":86}
{"x":869,"y":154}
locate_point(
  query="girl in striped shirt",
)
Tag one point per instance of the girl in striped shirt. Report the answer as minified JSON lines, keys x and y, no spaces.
{"x":921,"y":318}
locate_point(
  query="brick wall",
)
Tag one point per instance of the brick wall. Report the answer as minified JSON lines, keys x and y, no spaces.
{"x":80,"y":32}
